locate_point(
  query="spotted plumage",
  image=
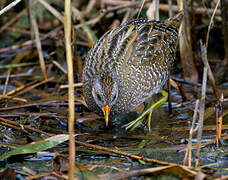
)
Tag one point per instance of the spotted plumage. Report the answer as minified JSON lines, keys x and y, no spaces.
{"x":129,"y":64}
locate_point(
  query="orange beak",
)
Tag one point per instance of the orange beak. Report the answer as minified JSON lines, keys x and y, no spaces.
{"x":106,"y":110}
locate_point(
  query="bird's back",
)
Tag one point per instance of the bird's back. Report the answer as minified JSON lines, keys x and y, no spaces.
{"x":138,"y":54}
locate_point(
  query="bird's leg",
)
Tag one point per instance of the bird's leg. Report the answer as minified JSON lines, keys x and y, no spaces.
{"x":133,"y":124}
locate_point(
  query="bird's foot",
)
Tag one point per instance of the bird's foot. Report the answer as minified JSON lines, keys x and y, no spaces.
{"x":133,"y":124}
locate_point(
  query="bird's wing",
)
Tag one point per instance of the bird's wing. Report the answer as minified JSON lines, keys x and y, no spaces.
{"x":136,"y":43}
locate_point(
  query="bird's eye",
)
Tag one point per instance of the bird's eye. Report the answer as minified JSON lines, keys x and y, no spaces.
{"x":98,"y":97}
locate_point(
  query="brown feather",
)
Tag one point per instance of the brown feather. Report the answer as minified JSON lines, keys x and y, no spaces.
{"x":137,"y":56}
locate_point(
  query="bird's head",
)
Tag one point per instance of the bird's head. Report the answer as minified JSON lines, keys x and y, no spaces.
{"x":105,"y":93}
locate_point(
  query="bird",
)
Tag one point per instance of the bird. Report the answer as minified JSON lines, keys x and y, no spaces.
{"x":128,"y":65}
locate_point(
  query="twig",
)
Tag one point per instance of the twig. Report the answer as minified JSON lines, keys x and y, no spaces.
{"x":13,"y":98}
{"x":183,"y":173}
{"x":7,"y":8}
{"x":39,"y":176}
{"x":122,"y":153}
{"x":223,"y":177}
{"x":28,"y":170}
{"x":177,"y":84}
{"x":67,"y":32}
{"x":211,"y":21}
{"x":188,"y":152}
{"x":16,"y":75}
{"x":219,"y":120}
{"x":13,"y":126}
{"x":201,"y":116}
{"x":26,"y":114}
{"x":20,"y":88}
{"x":48,"y":103}
{"x":210,"y":74}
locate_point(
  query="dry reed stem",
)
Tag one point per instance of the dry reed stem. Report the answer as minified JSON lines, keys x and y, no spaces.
{"x":126,"y":17}
{"x":170,"y":8}
{"x":157,"y":10}
{"x":34,"y":86}
{"x":110,"y":9}
{"x":30,"y":5}
{"x":75,"y":85}
{"x":19,"y":88}
{"x":12,"y":21}
{"x":52,"y":10}
{"x":140,"y":10}
{"x":186,"y":54}
{"x":48,"y":103}
{"x":59,"y":66}
{"x":151,"y":11}
{"x":89,"y":7}
{"x":38,"y":44}
{"x":163,"y":7}
{"x":39,"y":176}
{"x":67,"y":32}
{"x":7,"y":8}
{"x":224,"y":15}
{"x":18,"y":30}
{"x":90,"y":35}
{"x":201,"y":115}
{"x":30,"y":42}
{"x":20,"y":127}
{"x":6,"y":84}
{"x":28,"y":170}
